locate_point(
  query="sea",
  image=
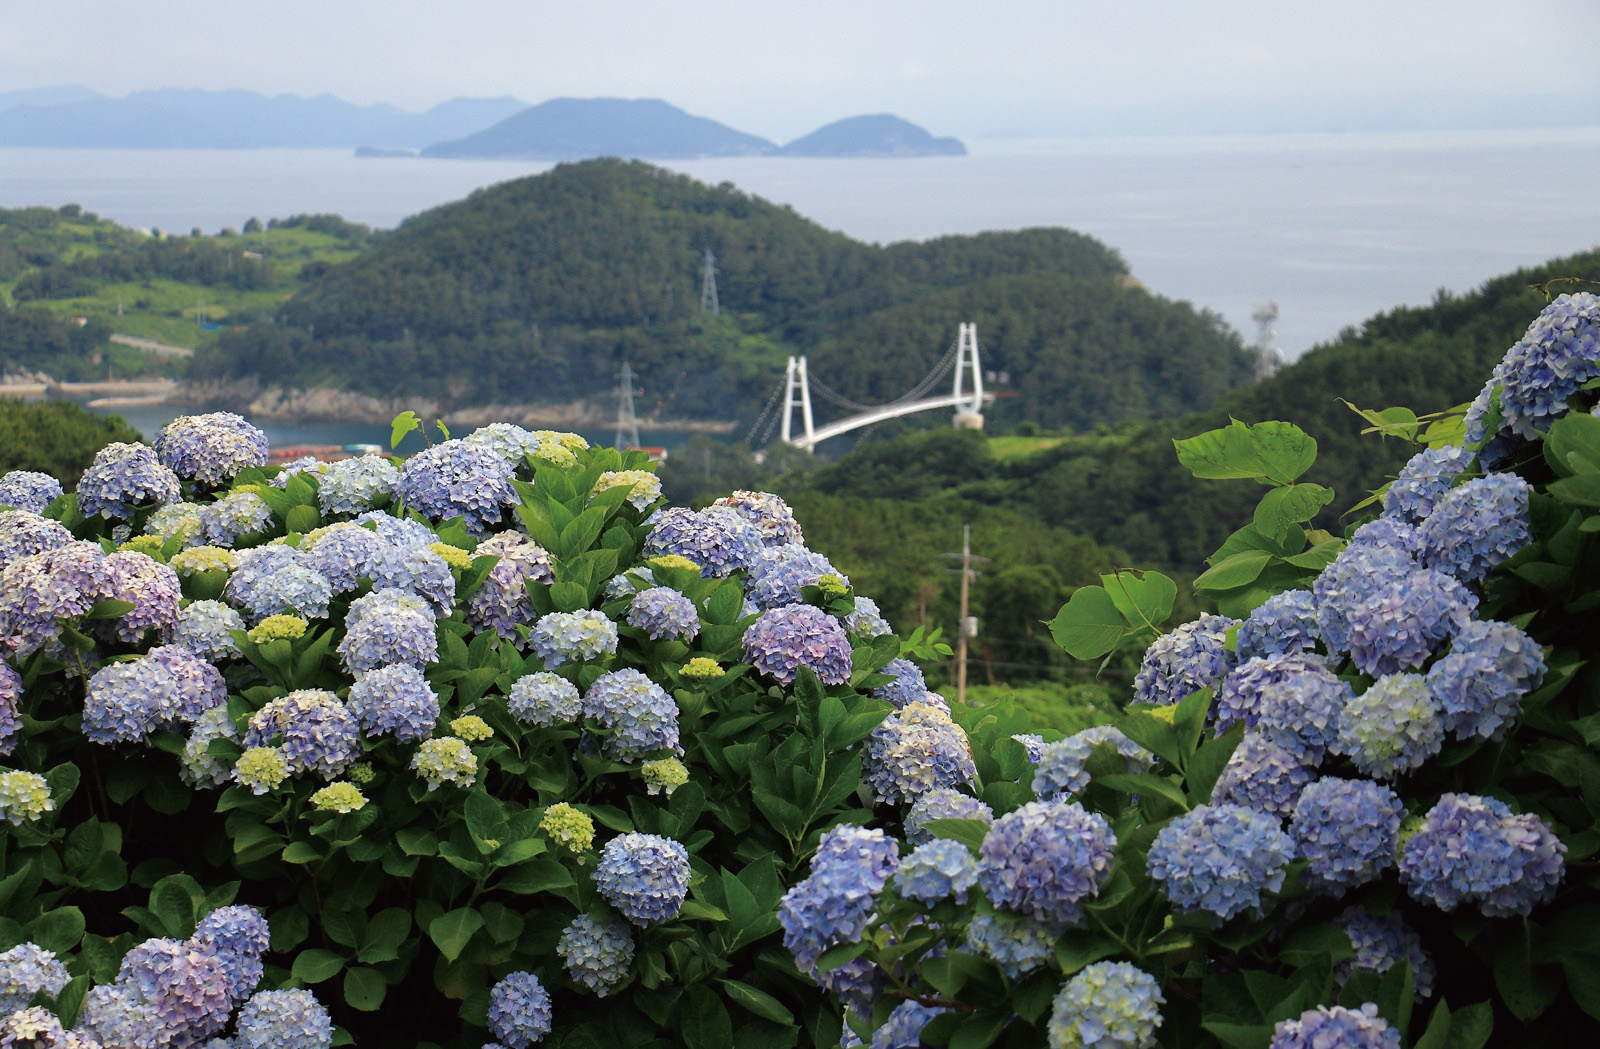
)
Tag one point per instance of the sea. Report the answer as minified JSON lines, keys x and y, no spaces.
{"x":1327,"y":228}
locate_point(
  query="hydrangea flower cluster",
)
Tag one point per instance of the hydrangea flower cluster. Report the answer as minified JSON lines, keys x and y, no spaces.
{"x":342,"y":552}
{"x":1477,"y":526}
{"x":1282,"y":625}
{"x":415,"y":569}
{"x":1295,"y":700}
{"x":197,"y":766}
{"x":902,"y":1028}
{"x":1400,"y":623}
{"x":511,"y":442}
{"x":25,"y":970}
{"x":394,"y":700}
{"x":210,"y":448}
{"x":1423,"y":481}
{"x":1219,"y":859}
{"x":908,"y":684}
{"x":1381,"y":943}
{"x":719,"y":543}
{"x":194,"y":560}
{"x":1017,"y":943}
{"x":1547,"y":366}
{"x":123,"y":479}
{"x":519,"y":1010}
{"x":457,"y":479}
{"x":663,"y":775}
{"x":560,"y":637}
{"x":1192,"y":657}
{"x":544,"y":699}
{"x":10,"y":694}
{"x":937,"y":870}
{"x":644,"y":876}
{"x":1059,"y":770}
{"x":662,"y":612}
{"x":240,"y":936}
{"x":388,"y":626}
{"x":836,"y":900}
{"x":1264,"y":775}
{"x":942,"y":803}
{"x":771,"y":516}
{"x":1046,"y":859}
{"x":1347,"y":830}
{"x":125,"y":702}
{"x":288,"y":1019}
{"x":445,"y":759}
{"x":1472,"y":849}
{"x":784,"y":639}
{"x":780,"y":572}
{"x":597,"y":953}
{"x":23,"y":532}
{"x":176,"y":520}
{"x":568,"y":827}
{"x":24,"y":797}
{"x":1335,"y":1027}
{"x":1392,"y":727}
{"x":151,"y":587}
{"x":1481,"y":682}
{"x":261,"y":769}
{"x":1349,"y":580}
{"x":28,"y":490}
{"x":342,"y":798}
{"x":643,"y":486}
{"x":1106,"y":1005}
{"x":639,"y":714}
{"x":357,"y":485}
{"x":916,"y":750}
{"x":314,"y":732}
{"x":186,"y":988}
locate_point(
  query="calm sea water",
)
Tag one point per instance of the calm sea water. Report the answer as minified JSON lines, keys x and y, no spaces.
{"x":1331,"y":227}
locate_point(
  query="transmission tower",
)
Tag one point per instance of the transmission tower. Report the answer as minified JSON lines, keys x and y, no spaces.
{"x":627,"y":422}
{"x":708,"y":285}
{"x":1268,"y":357}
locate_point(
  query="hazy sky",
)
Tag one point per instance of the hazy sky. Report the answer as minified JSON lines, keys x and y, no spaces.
{"x":781,"y":69}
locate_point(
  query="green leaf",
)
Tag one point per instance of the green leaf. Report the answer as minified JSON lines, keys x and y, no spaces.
{"x":1145,"y":784}
{"x":1234,"y":571}
{"x":315,"y":965}
{"x":110,"y":608}
{"x":759,"y":1002}
{"x":703,"y":1020}
{"x":302,"y":519}
{"x":1241,"y":1036}
{"x":839,"y":954}
{"x":451,"y":931}
{"x":59,"y":930}
{"x":1287,"y":450}
{"x":1572,"y":444}
{"x":968,"y":832}
{"x":1471,"y":1027}
{"x":301,"y":852}
{"x":1283,"y":508}
{"x":1143,"y":600}
{"x":173,"y":903}
{"x":364,"y":988}
{"x":403,"y":424}
{"x":69,"y":1003}
{"x":980,"y":1029}
{"x":416,"y":842}
{"x":384,"y":934}
{"x":1226,"y":453}
{"x":1088,"y":625}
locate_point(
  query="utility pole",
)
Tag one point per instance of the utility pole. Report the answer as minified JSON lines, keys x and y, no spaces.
{"x":708,"y":284}
{"x":968,"y":626}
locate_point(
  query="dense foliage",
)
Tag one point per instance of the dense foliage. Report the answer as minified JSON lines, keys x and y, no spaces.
{"x":55,"y":437}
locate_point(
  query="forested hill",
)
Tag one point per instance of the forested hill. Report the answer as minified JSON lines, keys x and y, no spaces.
{"x":539,"y":289}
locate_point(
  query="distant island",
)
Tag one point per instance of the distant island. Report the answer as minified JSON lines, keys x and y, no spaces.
{"x":578,"y":128}
{"x":879,"y":135}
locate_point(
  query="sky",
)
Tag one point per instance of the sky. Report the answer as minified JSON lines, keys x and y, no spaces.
{"x":1008,"y":68}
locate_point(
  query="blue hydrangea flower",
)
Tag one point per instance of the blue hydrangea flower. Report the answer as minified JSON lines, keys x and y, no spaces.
{"x":313,"y":730}
{"x":510,"y":442}
{"x":641,"y":716}
{"x":501,"y":603}
{"x":342,"y":552}
{"x":357,"y":485}
{"x":1264,"y":775}
{"x":626,"y":584}
{"x":1059,"y":770}
{"x":780,"y":571}
{"x":239,"y":935}
{"x":937,"y":870}
{"x":770,"y":515}
{"x":187,"y":988}
{"x":1347,"y":831}
{"x":1558,"y":354}
{"x":916,"y":750}
{"x":1106,"y":1005}
{"x":1219,"y":859}
{"x":116,"y":1014}
{"x":28,"y":490}
{"x":123,"y":479}
{"x":1496,"y":449}
{"x":1192,"y":657}
{"x":942,"y":803}
{"x":61,"y":582}
{"x":1401,"y":623}
{"x":1033,"y":745}
{"x":784,"y":639}
{"x":866,"y":619}
{"x":10,"y":720}
{"x":908,"y":686}
{"x":532,"y":561}
{"x":644,"y":876}
{"x":456,"y":479}
{"x":388,"y":626}
{"x":210,"y":448}
{"x":197,"y":766}
{"x":153,"y":589}
{"x":396,"y":531}
{"x":1017,"y":943}
{"x":560,"y":637}
{"x":1390,"y":532}
{"x":1423,"y":481}
{"x":663,"y":612}
{"x":1046,"y":859}
{"x":1284,"y":624}
{"x":1296,"y":700}
{"x":181,"y":520}
{"x":1348,"y":581}
{"x":23,"y":533}
{"x":1381,"y":943}
{"x":1472,"y":849}
{"x":125,"y":702}
{"x":544,"y":699}
{"x":1392,"y":727}
{"x":394,"y":700}
{"x":291,"y":1019}
{"x":720,"y":543}
{"x":836,"y":900}
{"x":597,"y":953}
{"x":416,"y":570}
{"x":1335,"y":1027}
{"x":519,"y":1010}
{"x":205,"y":628}
{"x":25,"y":970}
{"x":902,"y":1028}
{"x":1478,"y":526}
{"x":1481,"y":683}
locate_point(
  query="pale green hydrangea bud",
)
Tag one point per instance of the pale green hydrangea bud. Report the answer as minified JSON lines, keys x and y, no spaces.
{"x":569,"y":827}
{"x":24,"y":797}
{"x":832,"y":586}
{"x":454,"y":556}
{"x":341,"y":797}
{"x":646,"y":486}
{"x":446,"y":759}
{"x":664,"y":775}
{"x":472,"y":728}
{"x":362,"y":773}
{"x":278,"y":627}
{"x":673,"y":561}
{"x":701,"y":668}
{"x":202,"y":559}
{"x":145,"y":544}
{"x":261,"y":769}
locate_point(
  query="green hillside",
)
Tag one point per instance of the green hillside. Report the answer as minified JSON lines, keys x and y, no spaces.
{"x":537,"y":290}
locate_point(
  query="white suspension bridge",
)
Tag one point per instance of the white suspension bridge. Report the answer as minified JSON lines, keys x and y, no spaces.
{"x":967,"y":397}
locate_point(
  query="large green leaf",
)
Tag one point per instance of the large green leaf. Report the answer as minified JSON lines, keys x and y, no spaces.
{"x":451,"y":931}
{"x":1088,"y":625}
{"x":1144,"y":599}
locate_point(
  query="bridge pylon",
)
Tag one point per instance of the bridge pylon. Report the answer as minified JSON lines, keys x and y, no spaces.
{"x":797,"y":394}
{"x":969,"y":412}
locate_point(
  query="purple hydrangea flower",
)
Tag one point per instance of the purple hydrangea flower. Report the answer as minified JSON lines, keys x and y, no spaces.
{"x":1423,"y":481}
{"x":1192,"y":657}
{"x":1347,"y":830}
{"x":1295,"y":700}
{"x":10,"y":721}
{"x":210,"y":448}
{"x":313,"y":730}
{"x":456,"y":479}
{"x":1399,"y":624}
{"x":25,"y":970}
{"x":1558,"y":354}
{"x":1381,"y":943}
{"x":1263,"y":775}
{"x":1059,"y":770}
{"x":291,"y":1019}
{"x":1392,"y":727}
{"x":28,"y":490}
{"x":519,"y":1010}
{"x":116,"y":1014}
{"x":356,"y":485}
{"x":1388,"y":532}
{"x":780,"y":571}
{"x":942,"y":803}
{"x":343,"y":553}
{"x":719,"y":542}
{"x":1481,"y":683}
{"x":239,"y":935}
{"x":937,"y":870}
{"x":1219,"y":859}
{"x":902,"y":1028}
{"x":152,"y":587}
{"x":125,"y":702}
{"x":502,"y":603}
{"x":866,"y":619}
{"x":394,"y":700}
{"x":836,"y":900}
{"x":1106,"y":1005}
{"x":1478,"y":526}
{"x":596,"y":953}
{"x":784,"y":639}
{"x":1335,"y":1027}
{"x":918,"y":749}
{"x":1471,"y":849}
{"x":1017,"y":943}
{"x":663,"y":612}
{"x":908,"y":686}
{"x":1348,"y":581}
{"x":416,"y":570}
{"x":560,"y":637}
{"x":185,"y":985}
{"x":644,"y":876}
{"x":772,"y":518}
{"x":1284,"y":624}
{"x":544,"y":699}
{"x":641,"y":716}
{"x":124,"y":478}
{"x":23,"y":532}
{"x":1046,"y":859}
{"x":388,"y":626}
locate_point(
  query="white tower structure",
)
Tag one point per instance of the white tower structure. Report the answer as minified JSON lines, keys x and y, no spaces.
{"x":797,"y":394}
{"x":627,"y":422}
{"x":969,"y":414}
{"x":1268,"y":357}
